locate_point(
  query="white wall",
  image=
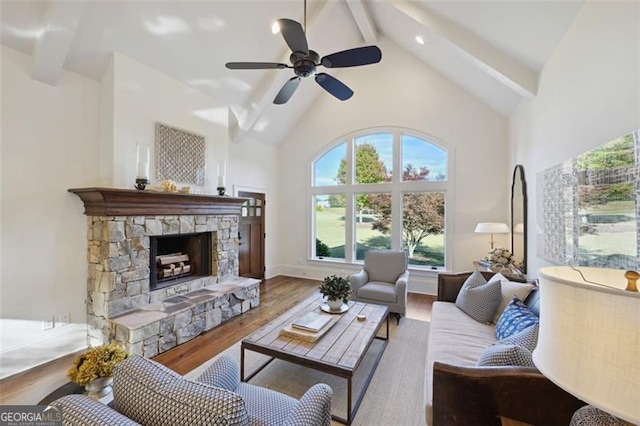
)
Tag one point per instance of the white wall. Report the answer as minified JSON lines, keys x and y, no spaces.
{"x":143,"y":96}
{"x":400,"y":91}
{"x":254,"y":167}
{"x":49,"y":144}
{"x":589,"y":94}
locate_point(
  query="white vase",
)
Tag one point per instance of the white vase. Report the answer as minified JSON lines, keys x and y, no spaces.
{"x":97,"y":388}
{"x":335,"y":305}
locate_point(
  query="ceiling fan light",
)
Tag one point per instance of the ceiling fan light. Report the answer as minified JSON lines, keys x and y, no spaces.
{"x":275,"y":28}
{"x":419,"y":39}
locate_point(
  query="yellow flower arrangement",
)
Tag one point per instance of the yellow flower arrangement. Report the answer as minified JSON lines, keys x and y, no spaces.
{"x":96,"y":362}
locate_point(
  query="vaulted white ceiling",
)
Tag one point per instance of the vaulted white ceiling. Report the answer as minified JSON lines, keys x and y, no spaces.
{"x":493,"y":49}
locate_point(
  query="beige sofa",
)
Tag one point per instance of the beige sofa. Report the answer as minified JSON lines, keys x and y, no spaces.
{"x":458,"y":392}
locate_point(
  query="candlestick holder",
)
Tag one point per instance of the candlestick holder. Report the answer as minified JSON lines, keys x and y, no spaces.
{"x":220,"y":190}
{"x":141,"y":183}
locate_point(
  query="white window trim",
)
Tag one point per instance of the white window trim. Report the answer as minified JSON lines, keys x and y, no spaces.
{"x":395,"y":187}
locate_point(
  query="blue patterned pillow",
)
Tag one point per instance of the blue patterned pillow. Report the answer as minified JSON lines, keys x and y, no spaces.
{"x":516,"y":317}
{"x":479,"y":299}
{"x":501,"y":355}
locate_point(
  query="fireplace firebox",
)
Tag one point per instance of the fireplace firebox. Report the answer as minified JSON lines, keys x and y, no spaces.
{"x":175,"y":259}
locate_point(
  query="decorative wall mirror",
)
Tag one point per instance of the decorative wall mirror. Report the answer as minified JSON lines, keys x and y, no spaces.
{"x":519,"y":219}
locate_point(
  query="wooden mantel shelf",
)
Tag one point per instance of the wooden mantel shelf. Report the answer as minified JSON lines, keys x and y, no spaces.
{"x":131,"y":202}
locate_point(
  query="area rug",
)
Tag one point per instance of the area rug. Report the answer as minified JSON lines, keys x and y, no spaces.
{"x":395,"y":395}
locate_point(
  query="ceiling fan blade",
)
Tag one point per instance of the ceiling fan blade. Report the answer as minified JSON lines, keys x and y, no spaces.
{"x":334,"y":86}
{"x":255,"y":65}
{"x":294,"y":35}
{"x":287,"y":91}
{"x":353,"y":57}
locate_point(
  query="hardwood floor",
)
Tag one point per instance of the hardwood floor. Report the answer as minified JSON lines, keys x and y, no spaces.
{"x":276,"y":296}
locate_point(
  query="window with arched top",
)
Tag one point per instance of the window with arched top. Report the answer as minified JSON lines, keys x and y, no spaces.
{"x":381,"y":189}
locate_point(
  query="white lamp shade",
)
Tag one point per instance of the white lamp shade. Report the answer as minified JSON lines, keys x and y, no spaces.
{"x":589,"y":340}
{"x":492,"y":228}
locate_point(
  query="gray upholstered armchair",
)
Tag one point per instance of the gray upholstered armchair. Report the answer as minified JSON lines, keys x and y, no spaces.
{"x":383,"y":280}
{"x":146,"y":392}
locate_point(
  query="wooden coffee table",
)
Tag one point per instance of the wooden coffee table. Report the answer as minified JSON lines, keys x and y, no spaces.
{"x":339,"y":352}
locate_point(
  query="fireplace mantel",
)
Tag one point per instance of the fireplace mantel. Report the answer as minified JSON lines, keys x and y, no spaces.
{"x":132,"y":202}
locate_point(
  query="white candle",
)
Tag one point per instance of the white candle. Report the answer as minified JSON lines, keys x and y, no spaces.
{"x":143,"y":161}
{"x":222,"y":174}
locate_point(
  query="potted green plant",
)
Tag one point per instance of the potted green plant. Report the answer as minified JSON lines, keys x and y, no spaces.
{"x":335,"y":289}
{"x":94,"y":367}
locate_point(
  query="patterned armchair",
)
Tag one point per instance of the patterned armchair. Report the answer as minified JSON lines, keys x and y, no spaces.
{"x":146,"y":392}
{"x":383,"y":280}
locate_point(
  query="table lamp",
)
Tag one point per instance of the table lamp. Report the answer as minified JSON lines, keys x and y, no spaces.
{"x":589,"y":340}
{"x":492,"y":228}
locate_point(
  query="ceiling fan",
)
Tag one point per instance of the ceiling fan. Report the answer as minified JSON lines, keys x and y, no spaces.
{"x":304,"y":62}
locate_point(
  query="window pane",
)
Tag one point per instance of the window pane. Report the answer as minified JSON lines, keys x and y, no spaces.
{"x":373,"y":223}
{"x":423,"y":227}
{"x":330,"y":168}
{"x":374,"y":158}
{"x":607,"y":182}
{"x":330,"y":230}
{"x":422,"y":160}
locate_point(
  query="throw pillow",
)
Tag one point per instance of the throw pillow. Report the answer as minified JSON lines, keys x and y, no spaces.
{"x":510,"y":289}
{"x":527,"y":339}
{"x":479,"y":299}
{"x":501,"y":355}
{"x":516,"y":317}
{"x":498,"y":277}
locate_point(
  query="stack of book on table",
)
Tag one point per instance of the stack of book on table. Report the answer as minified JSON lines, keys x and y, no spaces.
{"x":310,"y":326}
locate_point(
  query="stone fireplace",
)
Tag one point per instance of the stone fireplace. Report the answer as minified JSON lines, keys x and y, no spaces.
{"x":125,"y":302}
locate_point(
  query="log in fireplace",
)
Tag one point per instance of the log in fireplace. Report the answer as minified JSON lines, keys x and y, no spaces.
{"x":175,"y":259}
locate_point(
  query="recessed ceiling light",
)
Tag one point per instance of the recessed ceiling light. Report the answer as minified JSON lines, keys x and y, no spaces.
{"x":419,"y":39}
{"x":275,"y":28}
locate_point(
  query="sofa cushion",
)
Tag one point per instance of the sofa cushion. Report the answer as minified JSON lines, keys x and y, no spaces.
{"x":479,"y":299}
{"x":508,"y":290}
{"x":516,"y":317}
{"x":503,"y":354}
{"x":376,"y":290}
{"x":150,"y":393}
{"x":454,"y":338}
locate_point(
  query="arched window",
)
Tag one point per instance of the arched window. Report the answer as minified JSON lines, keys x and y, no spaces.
{"x":381,"y":189}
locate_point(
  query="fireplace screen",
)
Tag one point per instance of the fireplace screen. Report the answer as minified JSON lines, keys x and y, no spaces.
{"x":178,"y":258}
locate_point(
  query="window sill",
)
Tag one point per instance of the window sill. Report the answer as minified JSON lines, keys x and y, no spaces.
{"x":418,"y":270}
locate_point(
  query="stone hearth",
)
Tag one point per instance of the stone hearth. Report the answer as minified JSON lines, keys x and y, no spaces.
{"x":121,"y":306}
